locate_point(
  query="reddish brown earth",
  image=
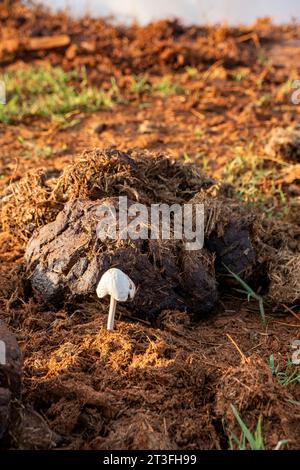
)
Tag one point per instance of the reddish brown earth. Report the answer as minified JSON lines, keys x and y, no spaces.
{"x":166,"y":385}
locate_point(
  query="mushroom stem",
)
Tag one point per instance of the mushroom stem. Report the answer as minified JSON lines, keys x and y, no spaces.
{"x":111,"y":313}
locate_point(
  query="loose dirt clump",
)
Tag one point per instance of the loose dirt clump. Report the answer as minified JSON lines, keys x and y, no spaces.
{"x":109,"y":50}
{"x":278,"y":247}
{"x":285,"y":278}
{"x":27,"y":205}
{"x":284,"y":143}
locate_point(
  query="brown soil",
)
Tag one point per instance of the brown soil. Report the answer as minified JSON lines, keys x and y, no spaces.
{"x":166,"y":384}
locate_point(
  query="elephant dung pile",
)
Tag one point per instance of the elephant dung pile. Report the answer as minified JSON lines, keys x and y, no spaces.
{"x":65,"y":258}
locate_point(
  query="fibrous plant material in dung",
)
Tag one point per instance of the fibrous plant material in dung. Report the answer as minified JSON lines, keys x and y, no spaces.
{"x":168,"y":275}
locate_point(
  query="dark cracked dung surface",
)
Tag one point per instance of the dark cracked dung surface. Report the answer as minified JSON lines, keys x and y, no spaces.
{"x":66,"y":259}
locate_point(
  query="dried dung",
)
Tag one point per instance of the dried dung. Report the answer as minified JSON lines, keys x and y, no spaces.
{"x":141,"y":176}
{"x":66,"y":259}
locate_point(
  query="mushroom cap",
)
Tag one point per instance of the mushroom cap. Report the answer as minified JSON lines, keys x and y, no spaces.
{"x":116,"y":284}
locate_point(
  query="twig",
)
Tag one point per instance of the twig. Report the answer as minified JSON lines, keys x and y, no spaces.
{"x":286,"y":324}
{"x":291,"y":311}
{"x":244,"y":358}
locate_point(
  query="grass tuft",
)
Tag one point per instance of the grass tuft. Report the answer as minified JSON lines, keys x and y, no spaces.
{"x":248,"y":439}
{"x":290,"y":375}
{"x":250,"y":293}
{"x":50,"y":92}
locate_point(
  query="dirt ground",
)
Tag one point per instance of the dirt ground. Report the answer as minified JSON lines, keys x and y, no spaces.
{"x":169,"y":383}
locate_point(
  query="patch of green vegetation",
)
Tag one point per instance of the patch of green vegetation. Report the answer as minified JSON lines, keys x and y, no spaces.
{"x":45,"y":151}
{"x":140,"y":84}
{"x":238,"y":76}
{"x":186,"y":157}
{"x":198,"y":132}
{"x":205,"y":162}
{"x":67,"y":124}
{"x":290,"y":375}
{"x":255,"y":182}
{"x":263,"y":59}
{"x":31,"y":151}
{"x":51,"y":93}
{"x":165,"y":87}
{"x":144,"y":105}
{"x":249,"y":440}
{"x":286,"y":88}
{"x":259,"y":82}
{"x":191,"y":71}
{"x":264,"y":100}
{"x":115,"y":93}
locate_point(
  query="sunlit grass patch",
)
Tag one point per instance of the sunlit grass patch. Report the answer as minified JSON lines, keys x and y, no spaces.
{"x":192,"y":71}
{"x":140,"y":84}
{"x":50,"y":92}
{"x":256,"y":181}
{"x":239,"y":76}
{"x":249,"y":173}
{"x":164,"y":86}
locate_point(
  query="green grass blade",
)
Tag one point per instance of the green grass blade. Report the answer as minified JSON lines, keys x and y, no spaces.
{"x":250,"y":293}
{"x":248,"y":435}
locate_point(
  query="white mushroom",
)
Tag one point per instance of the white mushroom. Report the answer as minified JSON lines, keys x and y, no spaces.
{"x":119,"y":286}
